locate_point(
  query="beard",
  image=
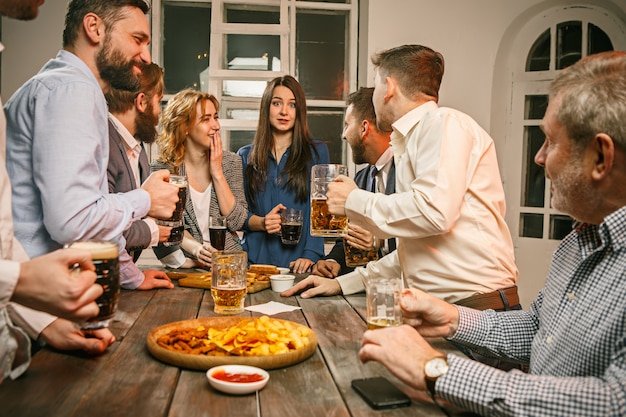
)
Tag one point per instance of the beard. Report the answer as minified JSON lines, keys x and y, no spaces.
{"x":358,"y":152}
{"x":116,"y":70}
{"x":573,"y":193}
{"x":146,"y":125}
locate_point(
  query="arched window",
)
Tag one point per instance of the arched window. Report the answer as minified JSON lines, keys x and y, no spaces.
{"x":556,"y":48}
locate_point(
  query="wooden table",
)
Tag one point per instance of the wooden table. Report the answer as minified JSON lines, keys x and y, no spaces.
{"x":127,"y":381}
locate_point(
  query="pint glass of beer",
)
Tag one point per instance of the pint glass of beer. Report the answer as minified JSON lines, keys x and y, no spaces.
{"x":228,"y":281}
{"x":176,"y":221}
{"x":105,"y":257}
{"x":383,"y":302}
{"x":217,"y":232}
{"x":290,"y":226}
{"x":322,"y":222}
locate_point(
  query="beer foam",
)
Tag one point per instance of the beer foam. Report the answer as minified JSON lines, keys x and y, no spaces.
{"x":99,"y":250}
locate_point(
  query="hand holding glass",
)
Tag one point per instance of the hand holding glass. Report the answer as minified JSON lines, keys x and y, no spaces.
{"x":323,"y":223}
{"x":176,"y":221}
{"x":105,"y":257}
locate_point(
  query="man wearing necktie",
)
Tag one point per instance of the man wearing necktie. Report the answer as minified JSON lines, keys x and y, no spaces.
{"x":369,"y":145}
{"x":133,"y":118}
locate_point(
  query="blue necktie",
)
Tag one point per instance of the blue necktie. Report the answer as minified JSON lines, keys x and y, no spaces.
{"x":373,"y":173}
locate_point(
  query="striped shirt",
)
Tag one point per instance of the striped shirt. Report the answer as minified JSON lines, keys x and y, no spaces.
{"x":573,"y":337}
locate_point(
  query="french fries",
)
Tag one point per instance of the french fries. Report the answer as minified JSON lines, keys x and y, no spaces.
{"x":260,"y":336}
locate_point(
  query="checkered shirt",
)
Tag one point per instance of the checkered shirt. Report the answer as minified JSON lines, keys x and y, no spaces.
{"x":573,"y":337}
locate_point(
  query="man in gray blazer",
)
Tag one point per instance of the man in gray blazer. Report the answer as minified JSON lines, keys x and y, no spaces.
{"x":369,"y":145}
{"x":133,"y":118}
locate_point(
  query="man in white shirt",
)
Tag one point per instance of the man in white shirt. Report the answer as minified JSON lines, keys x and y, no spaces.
{"x":133,"y":119}
{"x":448,"y":209}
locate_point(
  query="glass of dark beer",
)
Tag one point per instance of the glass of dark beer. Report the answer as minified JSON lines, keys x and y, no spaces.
{"x":217,"y":231}
{"x":291,"y":226}
{"x":105,"y":257}
{"x":176,"y":222}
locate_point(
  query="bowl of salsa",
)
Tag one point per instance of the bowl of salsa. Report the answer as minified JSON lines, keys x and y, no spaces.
{"x":237,"y":379}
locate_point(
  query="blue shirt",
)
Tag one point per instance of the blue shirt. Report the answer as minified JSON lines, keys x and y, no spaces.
{"x":264,"y":248}
{"x":57,"y":156}
{"x":573,"y":337}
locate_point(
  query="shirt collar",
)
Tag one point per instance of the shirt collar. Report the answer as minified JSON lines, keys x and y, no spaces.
{"x":403,"y":126}
{"x":384,"y":159}
{"x":611,"y":232}
{"x":129,"y":141}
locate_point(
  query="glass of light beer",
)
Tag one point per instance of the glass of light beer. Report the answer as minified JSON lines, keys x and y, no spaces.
{"x":176,"y":222}
{"x":228,"y":281}
{"x":383,"y":302}
{"x":105,"y":257}
{"x":323,"y":223}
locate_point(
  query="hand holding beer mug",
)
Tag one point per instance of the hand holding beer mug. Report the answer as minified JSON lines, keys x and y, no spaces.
{"x":383,"y":302}
{"x":323,"y":223}
{"x":176,"y":221}
{"x":290,"y":226}
{"x":105,"y":257}
{"x":356,"y":256}
{"x":228,"y":281}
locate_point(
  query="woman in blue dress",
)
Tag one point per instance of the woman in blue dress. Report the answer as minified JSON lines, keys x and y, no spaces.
{"x":277,"y":172}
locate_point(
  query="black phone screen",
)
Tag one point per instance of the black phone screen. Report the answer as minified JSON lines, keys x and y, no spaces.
{"x":379,"y":393}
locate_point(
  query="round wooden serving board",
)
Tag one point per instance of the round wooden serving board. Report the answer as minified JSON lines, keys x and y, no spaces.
{"x":204,"y":362}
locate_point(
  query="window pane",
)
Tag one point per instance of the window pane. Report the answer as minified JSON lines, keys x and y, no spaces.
{"x":560,"y":226}
{"x":598,"y":40}
{"x":569,"y":41}
{"x":239,"y":138}
{"x":329,"y":1}
{"x":186,"y":35}
{"x":321,"y":54}
{"x":535,"y":107}
{"x":539,"y":55}
{"x":326,"y":125}
{"x":531,"y":225}
{"x":253,"y":52}
{"x":534,"y":178}
{"x":242,"y":13}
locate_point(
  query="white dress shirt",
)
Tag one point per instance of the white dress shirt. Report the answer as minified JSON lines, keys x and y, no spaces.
{"x":447,"y":212}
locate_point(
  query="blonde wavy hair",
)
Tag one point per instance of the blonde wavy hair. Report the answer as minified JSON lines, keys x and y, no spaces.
{"x":176,"y":120}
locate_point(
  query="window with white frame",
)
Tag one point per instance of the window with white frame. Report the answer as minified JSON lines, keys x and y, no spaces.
{"x":558,"y":47}
{"x":232,"y":48}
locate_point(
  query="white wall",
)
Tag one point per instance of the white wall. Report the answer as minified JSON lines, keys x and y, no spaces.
{"x":29,"y":45}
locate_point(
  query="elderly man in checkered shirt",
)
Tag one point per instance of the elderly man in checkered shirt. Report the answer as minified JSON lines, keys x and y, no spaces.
{"x":573,"y":336}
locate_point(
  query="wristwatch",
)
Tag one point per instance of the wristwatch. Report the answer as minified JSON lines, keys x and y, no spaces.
{"x":433,"y":369}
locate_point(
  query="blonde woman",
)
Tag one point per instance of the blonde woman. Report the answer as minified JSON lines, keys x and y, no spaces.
{"x":190,"y":144}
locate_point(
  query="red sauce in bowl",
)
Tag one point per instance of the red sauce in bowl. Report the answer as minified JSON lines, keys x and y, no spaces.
{"x":236,"y":377}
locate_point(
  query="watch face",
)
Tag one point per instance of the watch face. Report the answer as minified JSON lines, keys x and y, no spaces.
{"x":434,"y":368}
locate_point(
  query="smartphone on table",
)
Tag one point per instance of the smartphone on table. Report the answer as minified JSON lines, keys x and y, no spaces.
{"x":380,"y":393}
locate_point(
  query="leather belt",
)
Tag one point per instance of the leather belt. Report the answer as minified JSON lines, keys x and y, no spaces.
{"x":502,"y":300}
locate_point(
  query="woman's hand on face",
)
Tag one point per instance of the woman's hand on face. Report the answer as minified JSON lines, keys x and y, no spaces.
{"x":216,"y":153}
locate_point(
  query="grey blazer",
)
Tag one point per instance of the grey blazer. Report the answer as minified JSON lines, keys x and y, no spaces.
{"x":121,"y":180}
{"x":233,"y":171}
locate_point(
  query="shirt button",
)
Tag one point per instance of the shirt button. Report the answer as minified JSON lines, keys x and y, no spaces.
{"x":571,"y":296}
{"x":549,"y":340}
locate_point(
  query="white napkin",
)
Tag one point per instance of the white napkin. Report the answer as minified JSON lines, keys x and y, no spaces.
{"x":272,"y":308}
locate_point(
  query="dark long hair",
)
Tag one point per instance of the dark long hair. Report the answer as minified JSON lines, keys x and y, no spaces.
{"x":295,"y":176}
